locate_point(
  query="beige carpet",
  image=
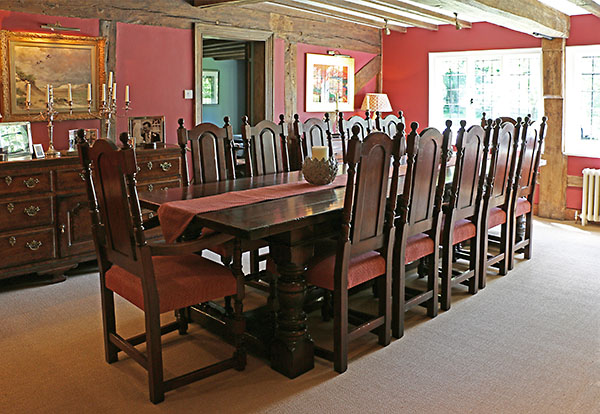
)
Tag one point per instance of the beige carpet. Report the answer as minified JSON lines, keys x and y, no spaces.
{"x":528,"y":343}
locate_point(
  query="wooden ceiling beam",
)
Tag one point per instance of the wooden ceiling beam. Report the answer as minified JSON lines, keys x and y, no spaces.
{"x":374,"y":11}
{"x":420,"y":11}
{"x":339,"y":15}
{"x":588,"y":5}
{"x":214,"y":3}
{"x":527,"y":16}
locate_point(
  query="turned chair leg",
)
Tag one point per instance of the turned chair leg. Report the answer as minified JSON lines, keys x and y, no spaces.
{"x":398,"y":299}
{"x":340,"y":331}
{"x":446,"y":275}
{"x":154,"y":352}
{"x":505,"y":248}
{"x":385,"y":309}
{"x":111,"y":351}
{"x":180,"y":315}
{"x":432,"y":284}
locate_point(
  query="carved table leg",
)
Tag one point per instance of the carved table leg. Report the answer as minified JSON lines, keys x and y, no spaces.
{"x":292,"y":349}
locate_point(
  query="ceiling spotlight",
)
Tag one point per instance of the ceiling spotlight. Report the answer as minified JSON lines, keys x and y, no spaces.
{"x":57,"y":26}
{"x":386,"y":28}
{"x":456,"y":23}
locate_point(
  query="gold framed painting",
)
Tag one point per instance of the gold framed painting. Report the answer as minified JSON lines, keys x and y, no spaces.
{"x":42,"y":59}
{"x":329,"y":83}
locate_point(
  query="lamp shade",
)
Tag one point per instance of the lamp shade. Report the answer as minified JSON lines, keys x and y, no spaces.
{"x":376,"y":102}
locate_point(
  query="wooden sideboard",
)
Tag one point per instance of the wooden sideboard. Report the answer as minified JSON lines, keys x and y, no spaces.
{"x":45,"y":226}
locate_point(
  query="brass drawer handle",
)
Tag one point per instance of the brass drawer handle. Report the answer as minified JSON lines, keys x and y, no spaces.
{"x":31,"y":210}
{"x":138,"y":169}
{"x":10,"y":207}
{"x":12,"y":241}
{"x":82,"y":175}
{"x":31,"y":182}
{"x":166,"y":187}
{"x":34,"y":245}
{"x":150,"y":187}
{"x":166,"y":166}
{"x":149,"y":165}
{"x":8,"y":180}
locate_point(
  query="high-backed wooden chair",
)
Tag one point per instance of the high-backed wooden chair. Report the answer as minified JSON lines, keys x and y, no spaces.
{"x":524,"y":187}
{"x":266,"y":147}
{"x":418,"y":222}
{"x":389,"y":125}
{"x":307,"y":134}
{"x":366,"y":239}
{"x":157,"y":278}
{"x":496,"y":200}
{"x":462,"y":212}
{"x":211,"y":151}
{"x":503,"y":119}
{"x":345,"y":128}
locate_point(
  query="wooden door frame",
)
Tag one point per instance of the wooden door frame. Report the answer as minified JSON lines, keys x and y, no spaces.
{"x":202,"y":31}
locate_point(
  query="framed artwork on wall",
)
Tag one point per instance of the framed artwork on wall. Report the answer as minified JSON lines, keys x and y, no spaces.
{"x":147,"y":129}
{"x":15,"y":137}
{"x":30,"y":62}
{"x":329,"y":83}
{"x":210,"y":87}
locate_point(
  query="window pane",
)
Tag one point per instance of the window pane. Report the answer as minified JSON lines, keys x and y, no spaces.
{"x":454,"y":81}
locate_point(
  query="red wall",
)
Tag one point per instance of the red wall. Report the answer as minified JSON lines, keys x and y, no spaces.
{"x":406,"y":68}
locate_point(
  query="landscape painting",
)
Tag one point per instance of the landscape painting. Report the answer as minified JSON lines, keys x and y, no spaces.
{"x":40,"y":60}
{"x":329,"y":83}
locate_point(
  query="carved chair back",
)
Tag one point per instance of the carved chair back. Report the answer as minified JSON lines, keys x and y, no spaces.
{"x":389,"y":124}
{"x":312,"y":132}
{"x":368,"y":216}
{"x":529,"y":159}
{"x":345,"y":128}
{"x":466,"y":194}
{"x":266,"y":150}
{"x":113,"y":202}
{"x":211,"y":151}
{"x":503,"y":119}
{"x":502,"y":162}
{"x":420,"y":202}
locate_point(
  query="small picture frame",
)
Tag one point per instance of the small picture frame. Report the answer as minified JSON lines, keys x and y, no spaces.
{"x":147,"y":130}
{"x":38,"y":151}
{"x":210,"y":87}
{"x":91,"y":135}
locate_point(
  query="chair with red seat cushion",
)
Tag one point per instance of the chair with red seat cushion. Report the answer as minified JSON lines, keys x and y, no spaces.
{"x":418,"y":222}
{"x":156,"y":277}
{"x":365,"y":241}
{"x":524,"y":188}
{"x":502,"y":140}
{"x":462,"y":213}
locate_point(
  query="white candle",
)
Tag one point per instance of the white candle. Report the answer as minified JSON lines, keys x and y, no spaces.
{"x":48,"y":93}
{"x":70,"y":93}
{"x":114,"y":92}
{"x":126,"y":93}
{"x":103,"y":93}
{"x":28,"y":92}
{"x":110,"y":78}
{"x":320,"y":153}
{"x":89,"y":94}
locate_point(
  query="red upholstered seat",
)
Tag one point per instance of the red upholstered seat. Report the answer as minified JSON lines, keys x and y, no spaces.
{"x":463,"y":230}
{"x":497,"y":216}
{"x":417,"y":246}
{"x":523,"y":206}
{"x":181,"y":281}
{"x":365,"y":267}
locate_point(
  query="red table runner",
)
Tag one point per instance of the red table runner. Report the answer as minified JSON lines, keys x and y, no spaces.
{"x":175,"y":216}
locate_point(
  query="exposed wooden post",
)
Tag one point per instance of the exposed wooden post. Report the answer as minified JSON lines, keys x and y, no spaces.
{"x":108,"y":29}
{"x":553,"y":186}
{"x":291,"y":75}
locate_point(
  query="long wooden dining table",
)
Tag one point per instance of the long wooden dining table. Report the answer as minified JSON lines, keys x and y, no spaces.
{"x":290,"y":225}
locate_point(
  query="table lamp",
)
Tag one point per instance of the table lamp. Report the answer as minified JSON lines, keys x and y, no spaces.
{"x":376,"y":102}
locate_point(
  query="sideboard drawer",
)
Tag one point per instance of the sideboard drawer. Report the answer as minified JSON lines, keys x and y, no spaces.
{"x":70,"y":180}
{"x":158,"y":186}
{"x":21,"y":214}
{"x":158,"y":169}
{"x":27,"y":247}
{"x":25,"y":183}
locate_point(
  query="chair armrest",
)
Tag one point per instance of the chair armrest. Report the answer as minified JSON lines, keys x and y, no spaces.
{"x":194,"y":246}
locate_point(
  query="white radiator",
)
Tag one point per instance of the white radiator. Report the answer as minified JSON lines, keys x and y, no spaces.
{"x":590,"y":200}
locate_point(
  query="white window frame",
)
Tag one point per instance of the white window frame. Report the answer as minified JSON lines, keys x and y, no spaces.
{"x":436,"y":114}
{"x":572,"y":145}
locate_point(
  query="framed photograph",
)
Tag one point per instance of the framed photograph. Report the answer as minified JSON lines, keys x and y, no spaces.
{"x":32,"y":61}
{"x":147,"y":129}
{"x":38,"y":151}
{"x":329,"y":83}
{"x":16,"y":138}
{"x":210,"y":87}
{"x":91,"y":135}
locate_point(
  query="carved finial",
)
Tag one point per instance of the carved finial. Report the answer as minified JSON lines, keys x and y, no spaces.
{"x":498,"y":121}
{"x":463,"y":124}
{"x":490,"y":123}
{"x":326,"y":116}
{"x":281,"y":118}
{"x":341,"y":116}
{"x":448,"y":123}
{"x":296,"y":118}
{"x":377,"y":114}
{"x":355,"y":130}
{"x":367,"y":114}
{"x":80,"y":136}
{"x":226,"y":121}
{"x":544,"y":119}
{"x":180,"y":122}
{"x":245,"y":120}
{"x":414,"y":126}
{"x":519,"y":120}
{"x":400,"y":114}
{"x":124,"y":138}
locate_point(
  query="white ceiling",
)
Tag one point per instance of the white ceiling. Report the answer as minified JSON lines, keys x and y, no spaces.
{"x":566,"y":6}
